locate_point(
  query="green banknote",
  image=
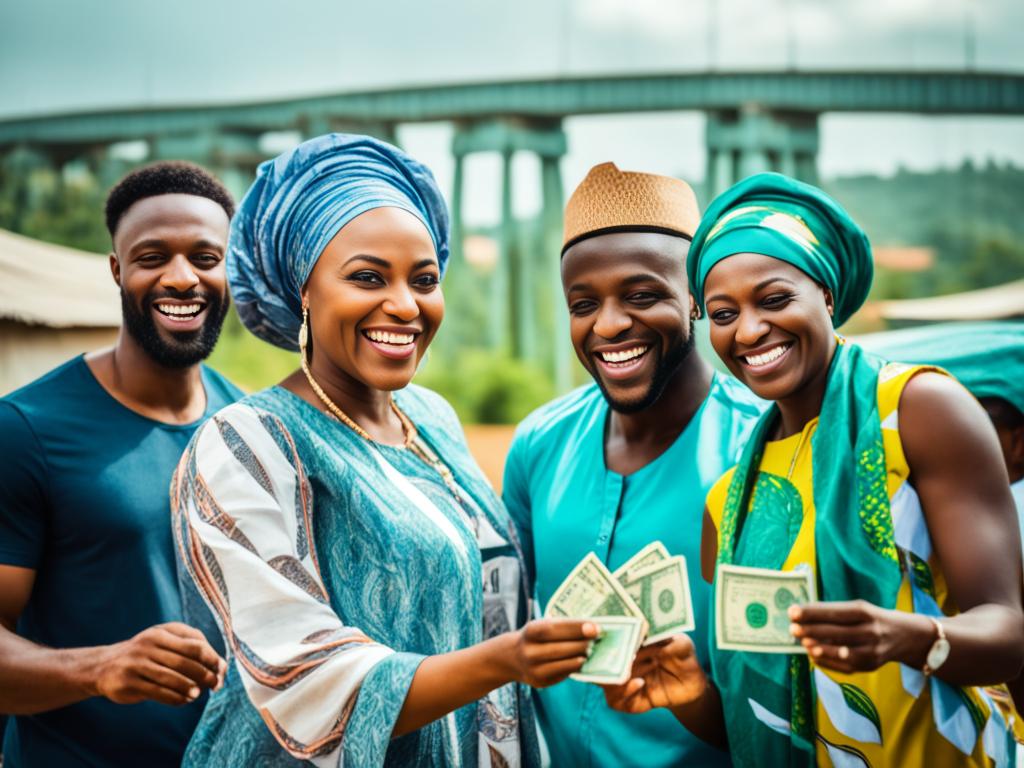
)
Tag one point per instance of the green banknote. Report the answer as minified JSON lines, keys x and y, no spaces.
{"x":662,"y":591}
{"x":611,"y":657}
{"x":591,"y":590}
{"x":752,"y":604}
{"x":650,"y":555}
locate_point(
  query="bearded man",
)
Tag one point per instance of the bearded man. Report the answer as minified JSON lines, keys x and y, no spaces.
{"x":629,"y":459}
{"x":92,"y":648}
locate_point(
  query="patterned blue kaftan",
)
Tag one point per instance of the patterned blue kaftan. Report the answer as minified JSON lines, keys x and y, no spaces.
{"x":334,"y":566}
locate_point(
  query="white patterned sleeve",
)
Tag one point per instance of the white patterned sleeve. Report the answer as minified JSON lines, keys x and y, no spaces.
{"x":242,"y":518}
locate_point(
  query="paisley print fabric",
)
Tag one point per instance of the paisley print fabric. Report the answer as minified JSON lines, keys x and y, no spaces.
{"x":334,"y":566}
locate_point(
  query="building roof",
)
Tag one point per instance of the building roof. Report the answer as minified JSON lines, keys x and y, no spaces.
{"x":911,"y":258}
{"x":46,"y":284}
{"x":998,"y":303}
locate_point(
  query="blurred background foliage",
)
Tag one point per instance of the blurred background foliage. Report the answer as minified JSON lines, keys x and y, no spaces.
{"x":969,"y":216}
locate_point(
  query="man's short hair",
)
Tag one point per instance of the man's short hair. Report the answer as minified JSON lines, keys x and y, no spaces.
{"x":165,"y":178}
{"x":1003,"y":413}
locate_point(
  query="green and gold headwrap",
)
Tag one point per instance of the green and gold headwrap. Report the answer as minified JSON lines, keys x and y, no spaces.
{"x":777,"y":216}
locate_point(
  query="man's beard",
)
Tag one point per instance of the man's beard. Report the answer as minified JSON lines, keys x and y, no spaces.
{"x":667,"y":366}
{"x":187,"y":347}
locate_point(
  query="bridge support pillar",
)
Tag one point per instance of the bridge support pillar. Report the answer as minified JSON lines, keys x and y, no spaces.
{"x":524,"y":285}
{"x":550,"y":263}
{"x":507,"y":316}
{"x":721,"y":170}
{"x":806,"y":167}
{"x":232,"y":156}
{"x":105,"y":168}
{"x":20,"y":170}
{"x":753,"y":139}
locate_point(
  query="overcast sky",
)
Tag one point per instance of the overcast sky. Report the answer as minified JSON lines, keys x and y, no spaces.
{"x":60,"y":55}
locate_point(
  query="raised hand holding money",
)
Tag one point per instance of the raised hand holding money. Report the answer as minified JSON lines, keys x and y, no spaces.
{"x":545,"y":651}
{"x":591,"y":591}
{"x":856,"y":636}
{"x":666,"y":674}
{"x":752,"y":608}
{"x":612,"y":655}
{"x":651,"y":589}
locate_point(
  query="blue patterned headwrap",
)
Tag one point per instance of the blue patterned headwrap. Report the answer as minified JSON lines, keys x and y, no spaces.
{"x":298,"y":203}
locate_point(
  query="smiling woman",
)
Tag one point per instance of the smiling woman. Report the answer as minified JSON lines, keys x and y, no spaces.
{"x":884,"y":518}
{"x":366,"y":578}
{"x":883,"y":479}
{"x":373,"y":303}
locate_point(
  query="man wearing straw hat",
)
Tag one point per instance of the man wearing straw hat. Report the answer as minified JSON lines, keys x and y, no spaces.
{"x":629,"y":459}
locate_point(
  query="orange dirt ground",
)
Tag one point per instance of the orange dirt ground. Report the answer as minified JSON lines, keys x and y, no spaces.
{"x":489,"y":444}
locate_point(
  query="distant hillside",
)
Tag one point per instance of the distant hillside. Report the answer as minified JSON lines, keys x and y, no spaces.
{"x":909,"y":208}
{"x":973,"y":217}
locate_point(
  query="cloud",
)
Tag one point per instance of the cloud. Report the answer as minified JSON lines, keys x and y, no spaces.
{"x":811,"y":33}
{"x":652,"y":18}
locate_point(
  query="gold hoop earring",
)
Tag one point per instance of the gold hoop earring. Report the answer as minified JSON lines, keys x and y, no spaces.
{"x":304,"y":331}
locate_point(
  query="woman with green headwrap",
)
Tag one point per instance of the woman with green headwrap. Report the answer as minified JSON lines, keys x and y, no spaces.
{"x":884,"y":480}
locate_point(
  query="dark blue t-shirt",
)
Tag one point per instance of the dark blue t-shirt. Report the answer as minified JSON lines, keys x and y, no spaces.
{"x":84,"y":500}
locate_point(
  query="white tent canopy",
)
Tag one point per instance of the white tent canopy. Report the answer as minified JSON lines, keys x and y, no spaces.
{"x":999,"y":303}
{"x":53,"y":286}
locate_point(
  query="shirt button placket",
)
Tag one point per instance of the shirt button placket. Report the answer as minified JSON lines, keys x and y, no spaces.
{"x":609,"y":514}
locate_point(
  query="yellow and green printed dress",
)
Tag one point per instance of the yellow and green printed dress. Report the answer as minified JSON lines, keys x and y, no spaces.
{"x":894,"y":716}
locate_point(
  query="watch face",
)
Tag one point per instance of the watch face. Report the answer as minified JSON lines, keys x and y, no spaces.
{"x":937,"y":655}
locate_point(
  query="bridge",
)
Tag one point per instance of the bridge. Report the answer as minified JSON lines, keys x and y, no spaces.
{"x":755,"y":121}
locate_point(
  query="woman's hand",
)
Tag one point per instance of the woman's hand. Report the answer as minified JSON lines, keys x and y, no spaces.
{"x":666,"y":674}
{"x":856,"y":636}
{"x":542,"y":653}
{"x":547,"y":651}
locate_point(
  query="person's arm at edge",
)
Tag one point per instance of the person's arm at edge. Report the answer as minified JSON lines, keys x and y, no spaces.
{"x":32,"y":678}
{"x":973,"y":526}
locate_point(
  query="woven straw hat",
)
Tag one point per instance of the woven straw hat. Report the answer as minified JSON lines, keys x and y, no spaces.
{"x":610,"y":200}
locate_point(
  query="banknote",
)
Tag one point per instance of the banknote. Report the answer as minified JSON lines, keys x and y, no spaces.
{"x":653,"y":553}
{"x":751,"y":608}
{"x":611,"y":657}
{"x":591,"y":590}
{"x":662,"y":591}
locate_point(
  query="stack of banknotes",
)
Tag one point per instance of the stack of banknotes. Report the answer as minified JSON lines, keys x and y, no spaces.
{"x":644,"y":601}
{"x":648,"y":599}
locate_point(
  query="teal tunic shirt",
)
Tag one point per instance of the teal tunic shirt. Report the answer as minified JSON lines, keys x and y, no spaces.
{"x":83,"y":503}
{"x":566,"y":503}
